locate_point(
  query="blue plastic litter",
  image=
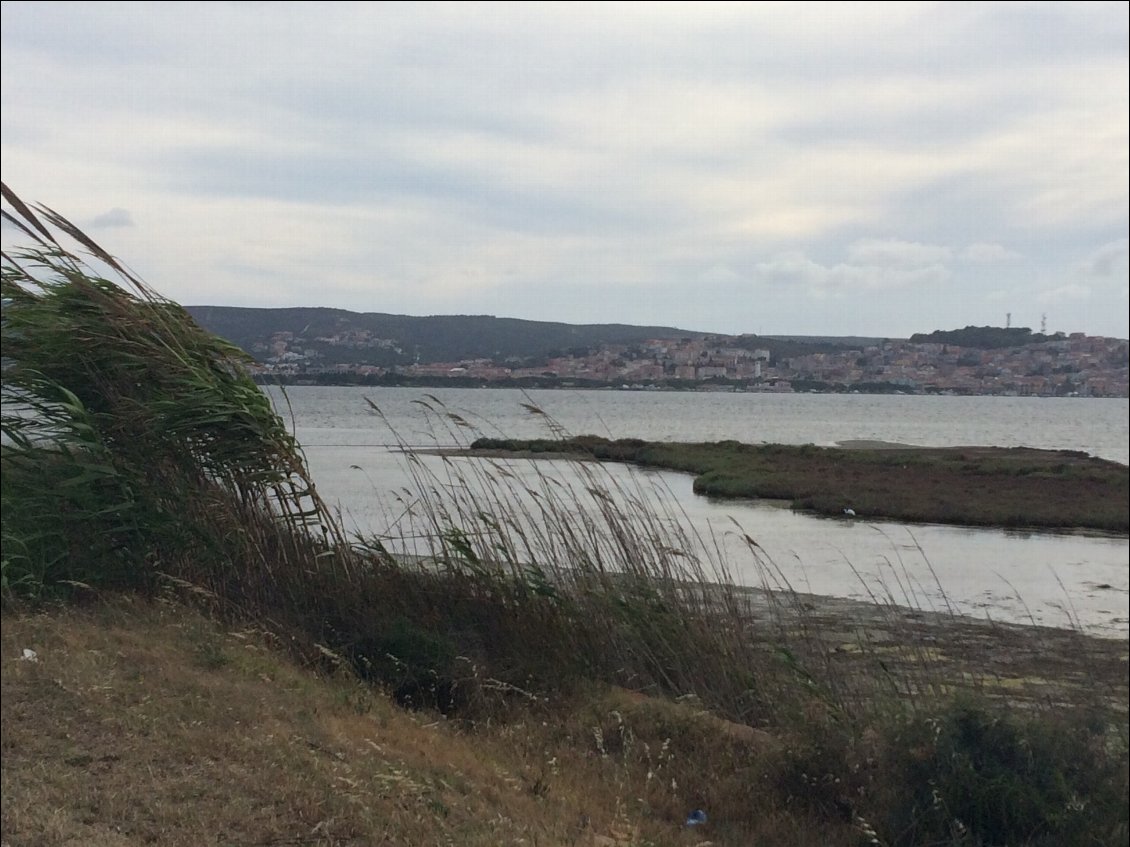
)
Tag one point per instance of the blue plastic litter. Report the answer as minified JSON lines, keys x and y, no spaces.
{"x":696,"y":817}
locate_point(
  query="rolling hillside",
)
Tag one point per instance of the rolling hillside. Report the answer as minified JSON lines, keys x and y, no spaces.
{"x":382,"y":339}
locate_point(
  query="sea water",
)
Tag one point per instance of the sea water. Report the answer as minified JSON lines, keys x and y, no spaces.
{"x":353,"y":436}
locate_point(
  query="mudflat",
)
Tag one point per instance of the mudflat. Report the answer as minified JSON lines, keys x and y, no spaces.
{"x":930,"y":653}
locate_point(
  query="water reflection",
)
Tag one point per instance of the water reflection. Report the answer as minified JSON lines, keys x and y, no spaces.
{"x":1011,"y":575}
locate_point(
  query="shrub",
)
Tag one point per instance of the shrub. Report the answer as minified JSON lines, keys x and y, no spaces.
{"x":134,"y":442}
{"x":979,"y":775}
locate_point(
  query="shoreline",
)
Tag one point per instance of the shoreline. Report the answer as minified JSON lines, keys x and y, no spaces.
{"x":546,"y":384}
{"x":1031,"y":663}
{"x":795,"y":605}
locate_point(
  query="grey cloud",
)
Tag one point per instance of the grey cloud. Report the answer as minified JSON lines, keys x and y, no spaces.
{"x":78,"y":34}
{"x":975,"y":205}
{"x":111,"y":219}
{"x":800,"y":150}
{"x":1104,"y":260}
{"x":512,"y":202}
{"x":1053,"y":31}
{"x":985,"y":253}
{"x":720,"y":274}
{"x":798,"y":270}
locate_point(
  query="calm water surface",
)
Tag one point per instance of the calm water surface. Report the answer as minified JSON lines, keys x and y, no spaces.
{"x":1049,"y":579}
{"x":1099,"y":427}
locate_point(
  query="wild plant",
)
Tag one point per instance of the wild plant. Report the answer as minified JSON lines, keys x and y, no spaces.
{"x":591,"y":574}
{"x":134,"y":443}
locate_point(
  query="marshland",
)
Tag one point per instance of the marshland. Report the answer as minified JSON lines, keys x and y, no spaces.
{"x":969,"y":486}
{"x":197,"y":649}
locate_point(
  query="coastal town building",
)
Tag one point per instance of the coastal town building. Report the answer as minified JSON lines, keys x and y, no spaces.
{"x":1074,"y":365}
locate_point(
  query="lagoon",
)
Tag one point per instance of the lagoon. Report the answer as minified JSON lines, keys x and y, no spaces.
{"x":1061,"y":580}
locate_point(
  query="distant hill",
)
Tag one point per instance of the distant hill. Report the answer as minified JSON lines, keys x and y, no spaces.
{"x":340,"y":336}
{"x":835,"y":340}
{"x":984,"y":337}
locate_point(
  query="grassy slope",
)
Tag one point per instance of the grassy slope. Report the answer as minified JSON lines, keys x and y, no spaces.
{"x":147,"y":723}
{"x":974,"y":486}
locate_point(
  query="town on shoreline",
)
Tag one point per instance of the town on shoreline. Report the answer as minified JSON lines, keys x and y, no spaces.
{"x":1075,"y":365}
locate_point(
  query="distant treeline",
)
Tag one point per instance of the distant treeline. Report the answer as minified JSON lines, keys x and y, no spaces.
{"x":984,"y":337}
{"x":383,"y":340}
{"x":408,"y":339}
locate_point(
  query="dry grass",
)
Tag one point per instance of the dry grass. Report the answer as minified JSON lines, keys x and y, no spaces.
{"x":145,"y":723}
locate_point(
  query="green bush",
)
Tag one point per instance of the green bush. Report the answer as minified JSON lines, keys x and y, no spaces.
{"x":981,"y":776}
{"x":134,"y":443}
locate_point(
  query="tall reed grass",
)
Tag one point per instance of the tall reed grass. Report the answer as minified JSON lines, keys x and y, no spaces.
{"x":617,"y":586}
{"x":134,"y":443}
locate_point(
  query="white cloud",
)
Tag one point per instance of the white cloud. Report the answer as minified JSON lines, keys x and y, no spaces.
{"x":893,"y":253}
{"x":871,"y":265}
{"x":1071,"y":293}
{"x":985,"y":253}
{"x":796,"y":269}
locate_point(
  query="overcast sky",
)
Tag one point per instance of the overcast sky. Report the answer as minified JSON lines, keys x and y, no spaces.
{"x":842,"y":169}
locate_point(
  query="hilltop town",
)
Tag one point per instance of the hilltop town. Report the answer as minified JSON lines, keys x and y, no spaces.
{"x":1059,"y":365}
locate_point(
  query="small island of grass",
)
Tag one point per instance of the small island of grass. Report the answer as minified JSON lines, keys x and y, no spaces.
{"x":968,"y":486}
